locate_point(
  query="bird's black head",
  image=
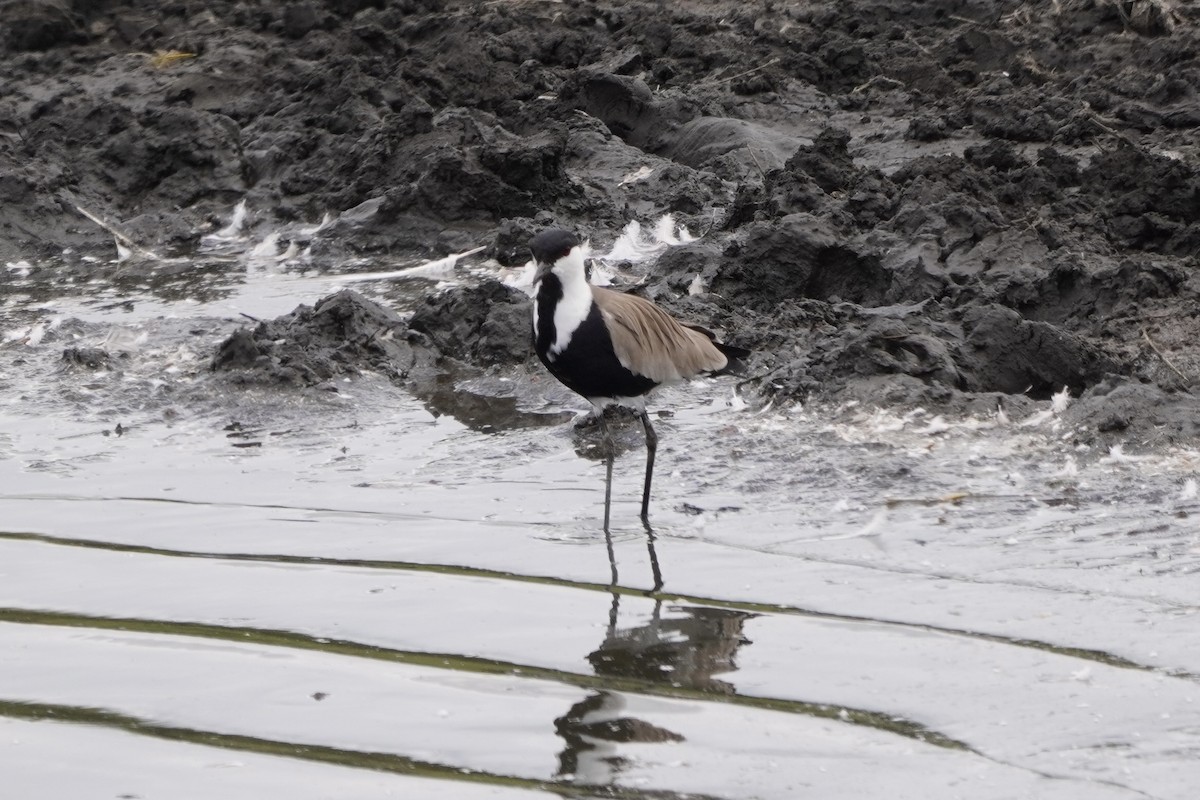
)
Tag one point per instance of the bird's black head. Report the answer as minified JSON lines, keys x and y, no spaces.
{"x":552,"y":244}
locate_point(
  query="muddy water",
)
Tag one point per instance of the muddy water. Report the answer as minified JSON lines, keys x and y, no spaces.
{"x":246,"y":592}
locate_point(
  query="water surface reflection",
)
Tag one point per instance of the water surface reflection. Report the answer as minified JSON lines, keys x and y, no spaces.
{"x":688,"y":648}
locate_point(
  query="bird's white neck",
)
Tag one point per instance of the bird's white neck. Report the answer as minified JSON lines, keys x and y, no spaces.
{"x":572,"y":271}
{"x":576,"y":302}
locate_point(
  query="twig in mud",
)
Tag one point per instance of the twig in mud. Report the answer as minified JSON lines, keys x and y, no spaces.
{"x":908,"y":37}
{"x":954,"y":498}
{"x":712,"y":223}
{"x":1095,"y":120}
{"x":1149,"y":17}
{"x":734,"y":77}
{"x":1030,"y":64}
{"x":161,"y":59}
{"x":878,"y":81}
{"x":1146,"y":335}
{"x":379,"y":332}
{"x":121,"y":238}
{"x":1022,"y":16}
{"x":965,"y":20}
{"x":754,"y":158}
{"x":247,"y":316}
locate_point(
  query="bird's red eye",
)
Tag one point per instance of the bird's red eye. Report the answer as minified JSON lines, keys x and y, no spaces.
{"x":565,"y":253}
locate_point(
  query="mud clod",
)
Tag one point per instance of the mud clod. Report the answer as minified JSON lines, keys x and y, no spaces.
{"x":486,"y":324}
{"x":90,"y":358}
{"x":343,"y":334}
{"x":1016,"y":356}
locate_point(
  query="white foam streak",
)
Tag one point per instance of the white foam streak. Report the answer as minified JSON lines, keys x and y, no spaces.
{"x":234,"y":229}
{"x":522,"y":279}
{"x":639,"y":174}
{"x":936,"y":425}
{"x":629,"y":246}
{"x":312,"y":230}
{"x":33,"y":335}
{"x":664,"y":231}
{"x":876,"y":524}
{"x":634,"y":245}
{"x":268,"y":248}
{"x":1117,"y":455}
{"x":125,"y":340}
{"x":1070,"y":468}
{"x":293,"y":249}
{"x":1060,"y":400}
{"x":440,"y":269}
{"x":873,"y":531}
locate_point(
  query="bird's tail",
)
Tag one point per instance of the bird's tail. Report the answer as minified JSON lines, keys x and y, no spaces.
{"x":737,"y":359}
{"x":735,"y":356}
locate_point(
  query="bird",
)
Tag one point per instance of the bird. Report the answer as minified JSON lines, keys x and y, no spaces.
{"x":614,"y":348}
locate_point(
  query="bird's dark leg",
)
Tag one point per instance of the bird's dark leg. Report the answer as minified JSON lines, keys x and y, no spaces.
{"x":612,"y":559}
{"x":654,"y":568}
{"x":651,"y":447}
{"x":609,"y":448}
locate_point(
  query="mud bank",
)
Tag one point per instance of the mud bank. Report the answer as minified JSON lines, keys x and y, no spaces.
{"x":954,"y":204}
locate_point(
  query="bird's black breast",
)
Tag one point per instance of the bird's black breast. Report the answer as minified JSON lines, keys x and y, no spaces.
{"x":588,"y":365}
{"x":549,"y":293}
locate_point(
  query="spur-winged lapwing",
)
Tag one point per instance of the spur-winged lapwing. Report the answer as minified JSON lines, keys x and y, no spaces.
{"x":613,"y":348}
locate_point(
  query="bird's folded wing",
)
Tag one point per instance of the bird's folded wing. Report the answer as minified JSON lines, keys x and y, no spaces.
{"x":649,"y":342}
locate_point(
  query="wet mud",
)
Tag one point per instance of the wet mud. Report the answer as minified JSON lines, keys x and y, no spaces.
{"x":338,"y":533}
{"x":951,"y":204}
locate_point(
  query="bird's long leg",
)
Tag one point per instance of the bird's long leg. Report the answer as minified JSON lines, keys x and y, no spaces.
{"x":612,"y":563}
{"x":609,"y":448}
{"x":651,"y":447}
{"x":654,"y":568}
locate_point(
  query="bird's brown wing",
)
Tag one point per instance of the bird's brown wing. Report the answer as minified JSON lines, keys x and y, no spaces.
{"x":650,"y":342}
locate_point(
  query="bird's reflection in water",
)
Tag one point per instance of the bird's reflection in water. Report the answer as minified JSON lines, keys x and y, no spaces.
{"x":688,"y":647}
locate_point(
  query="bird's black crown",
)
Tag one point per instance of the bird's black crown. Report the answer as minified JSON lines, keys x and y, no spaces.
{"x":551,"y":245}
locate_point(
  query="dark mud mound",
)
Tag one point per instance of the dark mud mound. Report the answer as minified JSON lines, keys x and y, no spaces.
{"x":482,"y":325}
{"x":987,"y":350}
{"x":1015,"y":356}
{"x":801,"y":256}
{"x":341,"y":335}
{"x":456,"y":353}
{"x":1137,"y":411}
{"x":92,"y":359}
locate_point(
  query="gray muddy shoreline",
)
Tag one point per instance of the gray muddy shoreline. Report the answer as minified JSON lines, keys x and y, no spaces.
{"x":955,"y":205}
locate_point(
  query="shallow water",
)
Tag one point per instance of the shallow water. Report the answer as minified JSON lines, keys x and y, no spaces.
{"x":367,"y":593}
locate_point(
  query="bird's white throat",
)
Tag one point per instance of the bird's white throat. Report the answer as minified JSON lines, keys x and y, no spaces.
{"x":576,"y":302}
